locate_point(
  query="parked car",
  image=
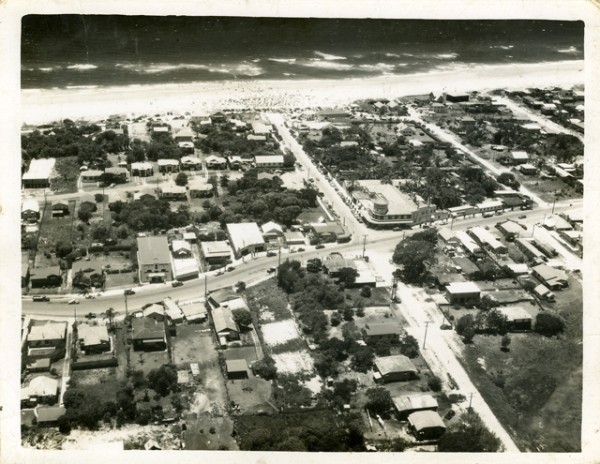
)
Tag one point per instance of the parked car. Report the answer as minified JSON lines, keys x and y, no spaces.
{"x":300,"y":249}
{"x":42,"y":298}
{"x":523,"y":216}
{"x":445,"y":327}
{"x":271,"y":270}
{"x":220,"y":272}
{"x":129,"y":292}
{"x":89,"y":296}
{"x":73,"y":301}
{"x":176,"y":283}
{"x":90,"y":316}
{"x":271,"y":254}
{"x":450,"y":414}
{"x":230,"y":268}
{"x":319,"y":246}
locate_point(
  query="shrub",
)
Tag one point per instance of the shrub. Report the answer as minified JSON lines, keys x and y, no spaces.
{"x":548,"y":324}
{"x":335,"y":319}
{"x":365,"y":292}
{"x":435,"y":383}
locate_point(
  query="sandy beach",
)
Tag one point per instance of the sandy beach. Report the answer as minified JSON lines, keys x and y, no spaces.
{"x":42,"y":106}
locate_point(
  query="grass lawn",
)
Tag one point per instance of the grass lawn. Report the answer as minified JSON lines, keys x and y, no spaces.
{"x":534,"y":389}
{"x":380,"y":296}
{"x":101,"y":383}
{"x":52,"y":230}
{"x":68,"y":173}
{"x":268,"y":302}
{"x":193,"y":344}
{"x":251,"y":395}
{"x":148,"y":360}
{"x":209,"y":433}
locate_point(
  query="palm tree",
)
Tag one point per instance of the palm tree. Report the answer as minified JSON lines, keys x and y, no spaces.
{"x":110,"y":314}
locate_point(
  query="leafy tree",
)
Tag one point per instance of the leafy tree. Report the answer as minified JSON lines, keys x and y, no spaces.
{"x":379,"y":401}
{"x":99,"y":198}
{"x":435,"y":383}
{"x":348,"y":313}
{"x":505,"y":343}
{"x":409,"y":346}
{"x":469,"y":435}
{"x":548,"y":324}
{"x":242,"y":317}
{"x":85,"y":212}
{"x":181,"y":179}
{"x":365,"y":291}
{"x":415,"y":256}
{"x":465,"y":322}
{"x":345,"y":389}
{"x":63,"y":248}
{"x":496,"y":322}
{"x":362,"y":359}
{"x":468,"y":334}
{"x":266,"y":368}
{"x":335,"y":319}
{"x":163,"y":380}
{"x":100,"y":232}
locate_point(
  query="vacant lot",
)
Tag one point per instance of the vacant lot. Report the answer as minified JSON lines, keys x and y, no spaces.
{"x":147,"y":360}
{"x":251,"y":395}
{"x":100,"y":383}
{"x":245,"y":352}
{"x":380,"y":296}
{"x":534,"y":389}
{"x":193,"y":344}
{"x":205,"y":432}
{"x":277,"y":333}
{"x":294,"y":362}
{"x":268,"y":302}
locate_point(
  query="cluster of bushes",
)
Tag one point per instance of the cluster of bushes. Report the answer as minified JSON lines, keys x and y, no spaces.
{"x":149,"y":214}
{"x":416,"y":254}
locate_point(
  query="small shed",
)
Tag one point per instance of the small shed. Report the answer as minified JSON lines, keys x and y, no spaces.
{"x":426,"y":425}
{"x":236,"y":369}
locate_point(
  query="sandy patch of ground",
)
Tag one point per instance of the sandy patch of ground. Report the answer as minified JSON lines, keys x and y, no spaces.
{"x":276,"y":333}
{"x":294,"y":362}
{"x":315,"y":384}
{"x":266,"y":315}
{"x":105,"y":437}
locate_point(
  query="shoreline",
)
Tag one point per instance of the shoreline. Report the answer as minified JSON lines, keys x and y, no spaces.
{"x":40,"y":106}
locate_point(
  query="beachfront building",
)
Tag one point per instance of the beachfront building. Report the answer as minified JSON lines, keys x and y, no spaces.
{"x":216,"y":253}
{"x":384,"y":206}
{"x":172,"y":192}
{"x":168,"y":165}
{"x":269,"y":161}
{"x":487,"y":239}
{"x":39,"y":173}
{"x":30,"y":210}
{"x":394,"y":369}
{"x":154,"y":259}
{"x":191,"y":163}
{"x":215,"y":162}
{"x":426,"y":425}
{"x":462,"y":293}
{"x":245,"y":237}
{"x":518,"y":157}
{"x":200,"y":188}
{"x":142,"y":169}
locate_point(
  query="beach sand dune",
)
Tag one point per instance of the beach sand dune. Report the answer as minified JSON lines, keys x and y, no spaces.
{"x":40,"y":106}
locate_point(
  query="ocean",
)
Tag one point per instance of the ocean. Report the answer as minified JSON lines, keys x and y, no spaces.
{"x":70,"y":51}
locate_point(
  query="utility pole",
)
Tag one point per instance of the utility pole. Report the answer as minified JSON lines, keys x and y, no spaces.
{"x":205,"y":285}
{"x":553,"y":202}
{"x":470,"y":402}
{"x":125,"y":294}
{"x":364,"y":245}
{"x":425,"y":337}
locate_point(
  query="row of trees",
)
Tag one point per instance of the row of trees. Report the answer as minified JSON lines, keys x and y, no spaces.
{"x":149,"y":214}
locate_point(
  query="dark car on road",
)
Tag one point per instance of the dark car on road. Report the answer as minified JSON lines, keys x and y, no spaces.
{"x":450,"y":414}
{"x":129,"y":292}
{"x":271,"y":253}
{"x":43,"y":298}
{"x":176,"y":283}
{"x":319,"y":246}
{"x":271,"y":270}
{"x":230,"y":268}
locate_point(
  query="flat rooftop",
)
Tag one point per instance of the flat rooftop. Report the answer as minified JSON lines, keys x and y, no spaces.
{"x":398,"y":202}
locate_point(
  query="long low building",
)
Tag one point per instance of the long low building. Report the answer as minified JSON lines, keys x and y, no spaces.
{"x":395,"y":368}
{"x":426,"y":425}
{"x":385,"y":206}
{"x":245,"y":238}
{"x":412,"y":402}
{"x":487,"y":239}
{"x":39,"y":173}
